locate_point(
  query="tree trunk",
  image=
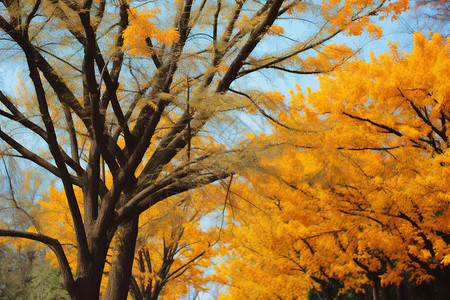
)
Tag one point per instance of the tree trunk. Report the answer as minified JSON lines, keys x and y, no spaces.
{"x":156,"y":291}
{"x":385,"y":293}
{"x":90,"y":268}
{"x":360,"y":296}
{"x":400,"y":293}
{"x":375,"y":291}
{"x":426,"y":291}
{"x":88,"y":283}
{"x":122,"y":264}
{"x":444,"y":279}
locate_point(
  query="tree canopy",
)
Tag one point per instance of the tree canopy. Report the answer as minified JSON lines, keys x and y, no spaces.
{"x":362,"y":193}
{"x":134,"y":107}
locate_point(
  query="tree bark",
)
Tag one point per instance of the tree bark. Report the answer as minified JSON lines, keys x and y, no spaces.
{"x":425,"y":291}
{"x":360,"y":296}
{"x":375,"y":291}
{"x":88,"y":283}
{"x":122,"y":264}
{"x":385,"y":293}
{"x":400,"y":291}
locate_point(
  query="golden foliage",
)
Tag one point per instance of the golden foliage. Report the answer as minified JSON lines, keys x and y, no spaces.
{"x":361,"y":191}
{"x":141,"y":28}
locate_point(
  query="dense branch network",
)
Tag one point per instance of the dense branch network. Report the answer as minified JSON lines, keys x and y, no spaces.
{"x":120,"y":134}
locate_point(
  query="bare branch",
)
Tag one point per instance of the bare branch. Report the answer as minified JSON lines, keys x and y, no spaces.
{"x":56,"y":248}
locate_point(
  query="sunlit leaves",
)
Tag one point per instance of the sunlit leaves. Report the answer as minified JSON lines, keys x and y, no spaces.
{"x":361,"y":192}
{"x":141,"y":28}
{"x":139,"y":95}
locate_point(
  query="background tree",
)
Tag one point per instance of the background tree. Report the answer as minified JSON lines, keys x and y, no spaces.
{"x":360,"y":195}
{"x":25,"y":274}
{"x":440,"y":10}
{"x":176,"y":249}
{"x":19,"y":194}
{"x":117,"y":88}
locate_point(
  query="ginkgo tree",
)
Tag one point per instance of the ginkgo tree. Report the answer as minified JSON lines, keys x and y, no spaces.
{"x":123,"y":88}
{"x":172,"y":250}
{"x":359,"y":193}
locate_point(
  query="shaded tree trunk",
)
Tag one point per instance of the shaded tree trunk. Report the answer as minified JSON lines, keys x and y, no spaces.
{"x":122,"y":264}
{"x":400,"y":291}
{"x":425,"y":291}
{"x":375,"y":291}
{"x":385,"y":293}
{"x":88,"y":284}
{"x":444,"y":279}
{"x":90,"y":273}
{"x":360,"y":296}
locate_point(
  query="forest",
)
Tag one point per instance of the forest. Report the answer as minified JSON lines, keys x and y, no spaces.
{"x":224,"y":149}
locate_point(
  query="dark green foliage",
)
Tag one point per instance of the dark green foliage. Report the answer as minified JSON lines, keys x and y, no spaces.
{"x":27,"y":275}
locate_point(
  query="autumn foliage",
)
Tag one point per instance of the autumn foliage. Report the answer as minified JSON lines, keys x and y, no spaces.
{"x":136,"y":115}
{"x":361,"y":195}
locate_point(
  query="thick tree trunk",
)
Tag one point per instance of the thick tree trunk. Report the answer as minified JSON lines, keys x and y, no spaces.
{"x":90,"y":271}
{"x":122,"y":263}
{"x":87,"y":285}
{"x":444,"y":279}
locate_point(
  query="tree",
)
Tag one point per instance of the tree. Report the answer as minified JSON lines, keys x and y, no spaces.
{"x":117,"y":88}
{"x":360,"y":195}
{"x":25,"y":274}
{"x":440,"y":9}
{"x":172,"y":247}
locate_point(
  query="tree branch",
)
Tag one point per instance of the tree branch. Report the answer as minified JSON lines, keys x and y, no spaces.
{"x":27,"y":154}
{"x":54,"y":149}
{"x":20,"y":118}
{"x":163,"y":189}
{"x":64,"y":94}
{"x":253,"y":40}
{"x":55,"y":246}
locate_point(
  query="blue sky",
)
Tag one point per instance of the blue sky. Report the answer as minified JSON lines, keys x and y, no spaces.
{"x":400,"y":30}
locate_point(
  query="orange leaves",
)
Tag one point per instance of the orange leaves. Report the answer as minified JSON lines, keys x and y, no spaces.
{"x":174,"y":227}
{"x":433,"y":56}
{"x":396,"y":199}
{"x":275,"y":30}
{"x":395,"y":87}
{"x":55,"y":220}
{"x":361,"y":192}
{"x":141,"y":28}
{"x":446,"y":260}
{"x":347,"y":15}
{"x":357,"y":28}
{"x":398,"y":7}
